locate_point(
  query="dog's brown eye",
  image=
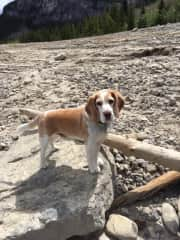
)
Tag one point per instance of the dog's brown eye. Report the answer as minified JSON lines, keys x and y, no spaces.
{"x":99,"y":103}
{"x":111,"y":101}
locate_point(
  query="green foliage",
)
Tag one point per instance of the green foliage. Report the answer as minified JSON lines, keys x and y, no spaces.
{"x":108,"y":24}
{"x":161,"y":5}
{"x":161,"y":15}
{"x":117,"y":18}
{"x":142,"y":21}
{"x":131,"y":17}
{"x":151,"y":17}
{"x":177,"y":10}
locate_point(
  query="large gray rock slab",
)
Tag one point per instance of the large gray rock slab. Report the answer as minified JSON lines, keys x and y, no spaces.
{"x":54,"y":203}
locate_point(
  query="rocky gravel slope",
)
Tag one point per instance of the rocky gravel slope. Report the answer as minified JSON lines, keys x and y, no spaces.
{"x":143,"y":64}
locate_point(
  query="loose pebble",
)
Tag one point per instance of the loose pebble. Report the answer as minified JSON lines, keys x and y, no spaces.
{"x":170,"y":218}
{"x":121,"y":227}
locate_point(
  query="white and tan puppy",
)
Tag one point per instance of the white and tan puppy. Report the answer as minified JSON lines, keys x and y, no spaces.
{"x":88,"y":123}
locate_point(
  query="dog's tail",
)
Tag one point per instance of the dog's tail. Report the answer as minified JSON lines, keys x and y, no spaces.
{"x":30,"y":112}
{"x":28,"y":126}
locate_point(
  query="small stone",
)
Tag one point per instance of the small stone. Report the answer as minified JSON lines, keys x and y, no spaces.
{"x":172,"y":101}
{"x":155,"y":215}
{"x":60,"y":57}
{"x":177,"y":111}
{"x":15,"y":137}
{"x":3,"y":127}
{"x":48,"y":215}
{"x":104,"y":237}
{"x":140,"y":238}
{"x":134,"y":29}
{"x":151,"y":232}
{"x":159,"y":82}
{"x":121,"y":227}
{"x":141,"y":136}
{"x":3,"y":147}
{"x":132,"y":159}
{"x":27,"y":80}
{"x":75,"y":99}
{"x":124,"y":188}
{"x":119,"y":158}
{"x":114,"y":151}
{"x":156,"y":92}
{"x":147,"y":176}
{"x":79,"y":61}
{"x":151,"y":168}
{"x":141,"y":162}
{"x":125,"y":211}
{"x":178,"y":204}
{"x":123,"y":167}
{"x":147,"y":210}
{"x":170,"y":218}
{"x":35,"y":149}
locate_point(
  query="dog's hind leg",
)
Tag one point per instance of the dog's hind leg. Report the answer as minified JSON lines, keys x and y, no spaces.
{"x":44,"y":140}
{"x":52,"y":147}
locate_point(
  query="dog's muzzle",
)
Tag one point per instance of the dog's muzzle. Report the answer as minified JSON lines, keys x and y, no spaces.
{"x":107,"y":116}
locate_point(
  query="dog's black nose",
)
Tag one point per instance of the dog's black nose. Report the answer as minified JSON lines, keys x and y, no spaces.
{"x":107,"y":115}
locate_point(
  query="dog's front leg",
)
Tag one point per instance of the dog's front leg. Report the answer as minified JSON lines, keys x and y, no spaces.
{"x":92,"y":149}
{"x":44,"y":140}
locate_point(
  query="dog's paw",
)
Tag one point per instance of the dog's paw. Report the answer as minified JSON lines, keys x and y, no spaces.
{"x":55,"y":149}
{"x":44,"y":165}
{"x":21,"y":129}
{"x":100,"y":162}
{"x":95,"y":170}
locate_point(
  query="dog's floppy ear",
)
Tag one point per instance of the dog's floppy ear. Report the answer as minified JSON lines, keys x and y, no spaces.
{"x":91,"y":108}
{"x":119,"y":102}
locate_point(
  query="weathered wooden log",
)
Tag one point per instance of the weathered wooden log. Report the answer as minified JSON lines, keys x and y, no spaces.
{"x":147,"y":190}
{"x":131,"y":147}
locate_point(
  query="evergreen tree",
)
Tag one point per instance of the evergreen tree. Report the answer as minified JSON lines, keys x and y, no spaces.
{"x":177,"y":10}
{"x":66,"y":31}
{"x":73,"y":31}
{"x":108,"y":25}
{"x":97,"y":27}
{"x":171,"y":14}
{"x":142,"y":18}
{"x":125,"y":6}
{"x":161,"y":15}
{"x":131,"y":17}
{"x":114,"y":13}
{"x":161,"y":5}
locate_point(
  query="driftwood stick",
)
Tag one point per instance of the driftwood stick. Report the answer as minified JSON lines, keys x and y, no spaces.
{"x":131,"y":147}
{"x":147,"y":190}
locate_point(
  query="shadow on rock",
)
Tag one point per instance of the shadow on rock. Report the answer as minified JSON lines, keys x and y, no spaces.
{"x":55,"y":187}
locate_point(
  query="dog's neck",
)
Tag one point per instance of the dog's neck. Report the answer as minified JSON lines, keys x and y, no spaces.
{"x":96,"y":126}
{"x":103,"y":126}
